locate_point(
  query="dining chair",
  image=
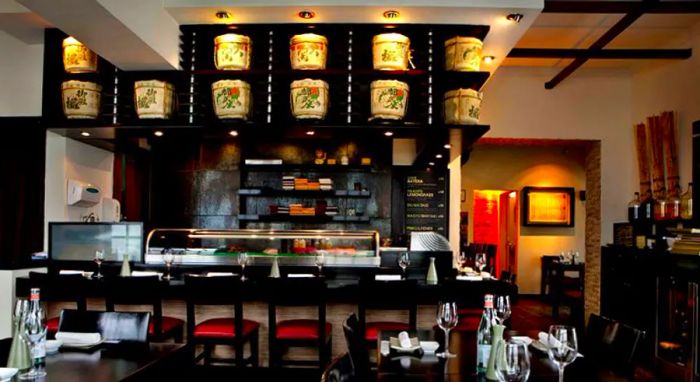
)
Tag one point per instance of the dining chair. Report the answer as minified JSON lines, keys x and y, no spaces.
{"x":57,"y":288}
{"x":613,"y":348}
{"x":357,"y":349}
{"x":308,"y":332}
{"x":383,"y":296}
{"x":144,"y":290}
{"x":233,"y":330}
{"x":112,"y":326}
{"x":339,"y":370}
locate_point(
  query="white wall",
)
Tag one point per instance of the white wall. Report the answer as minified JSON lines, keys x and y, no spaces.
{"x":672,"y":86}
{"x":7,"y":297}
{"x":592,"y":104}
{"x":70,"y":159}
{"x":21,"y":76}
{"x":512,"y":167}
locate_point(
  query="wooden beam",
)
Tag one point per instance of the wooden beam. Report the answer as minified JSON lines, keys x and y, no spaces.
{"x":602,"y":7}
{"x":624,"y":54}
{"x":616,"y":29}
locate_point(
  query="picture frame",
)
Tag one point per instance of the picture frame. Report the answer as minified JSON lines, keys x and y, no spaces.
{"x":548,"y":206}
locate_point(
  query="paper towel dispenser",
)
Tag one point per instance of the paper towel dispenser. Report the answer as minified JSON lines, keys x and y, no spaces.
{"x":82,"y":194}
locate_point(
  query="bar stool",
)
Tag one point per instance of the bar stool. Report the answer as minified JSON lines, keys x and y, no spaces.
{"x":59,"y":288}
{"x":144,"y":291}
{"x":399,"y":295}
{"x":298,"y":292}
{"x":231,"y":331}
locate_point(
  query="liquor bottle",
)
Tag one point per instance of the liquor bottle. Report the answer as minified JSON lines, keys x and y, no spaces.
{"x":660,"y":206}
{"x":634,"y":209}
{"x":484,"y":336}
{"x":687,"y":203}
{"x":35,"y":331}
{"x":673,"y":205}
{"x":647,"y":216}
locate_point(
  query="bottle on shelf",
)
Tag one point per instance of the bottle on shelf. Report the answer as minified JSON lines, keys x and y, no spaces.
{"x":634,"y":209}
{"x":673,"y":204}
{"x":647,"y":213}
{"x":660,"y":206}
{"x":687,"y":203}
{"x":484,"y":336}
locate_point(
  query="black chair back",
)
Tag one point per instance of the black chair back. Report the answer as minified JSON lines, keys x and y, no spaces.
{"x":60,"y":288}
{"x":357,"y":349}
{"x":219,"y":290}
{"x":339,"y":370}
{"x":612,"y":345}
{"x":387,"y":295}
{"x":136,"y":291}
{"x":112,"y":326}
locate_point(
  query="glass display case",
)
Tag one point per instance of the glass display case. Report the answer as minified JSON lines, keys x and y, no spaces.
{"x":291,"y":247}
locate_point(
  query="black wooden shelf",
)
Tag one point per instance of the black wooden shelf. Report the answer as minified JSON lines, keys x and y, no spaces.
{"x":307,"y":167}
{"x":271,"y":192}
{"x":318,"y":219}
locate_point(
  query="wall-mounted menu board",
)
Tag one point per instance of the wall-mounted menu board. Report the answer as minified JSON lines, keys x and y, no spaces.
{"x":426,"y":202}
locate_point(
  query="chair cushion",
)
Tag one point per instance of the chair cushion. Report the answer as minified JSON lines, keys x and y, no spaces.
{"x":168,"y":324}
{"x":573,"y":294}
{"x":223,"y":328}
{"x":468,"y":323}
{"x":372,"y":328}
{"x":52,"y":324}
{"x":300,"y":330}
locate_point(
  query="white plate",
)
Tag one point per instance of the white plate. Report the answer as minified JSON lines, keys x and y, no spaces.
{"x":7,"y":372}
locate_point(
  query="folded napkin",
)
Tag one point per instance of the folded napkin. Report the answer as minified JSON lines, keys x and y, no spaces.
{"x":67,"y":272}
{"x":486,"y":275}
{"x":145,"y":273}
{"x":405,"y":344}
{"x":79,"y":339}
{"x":220,"y":274}
{"x":387,"y":277}
{"x":551,"y":342}
{"x":299,"y":275}
{"x":469,"y":278}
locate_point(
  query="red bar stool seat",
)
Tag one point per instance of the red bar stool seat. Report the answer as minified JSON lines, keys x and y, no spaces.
{"x":300,"y":329}
{"x":52,"y":326}
{"x":169,"y":325}
{"x":223,"y":328}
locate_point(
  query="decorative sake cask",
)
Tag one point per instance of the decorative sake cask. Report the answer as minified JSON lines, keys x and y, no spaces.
{"x":463,"y":54}
{"x":81,"y":100}
{"x":389,"y":99}
{"x":390,"y":51}
{"x":77,"y":58}
{"x":462,"y":107}
{"x":232,"y":52}
{"x":309,"y":99}
{"x":154,"y":99}
{"x":308,"y":51}
{"x":231,"y":99}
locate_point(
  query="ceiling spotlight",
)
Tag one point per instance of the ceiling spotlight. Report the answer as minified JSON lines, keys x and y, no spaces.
{"x":515,"y":17}
{"x":488,"y":59}
{"x":85,"y":134}
{"x":438,"y":156}
{"x":431,"y":163}
{"x":158,"y":133}
{"x":391,"y":14}
{"x":389,"y":133}
{"x":233,"y":133}
{"x":307,"y":14}
{"x":310,"y":132}
{"x":223,"y":15}
{"x":447,"y":146}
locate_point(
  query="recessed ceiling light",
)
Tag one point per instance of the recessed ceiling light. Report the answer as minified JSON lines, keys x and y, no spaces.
{"x":488,"y":59}
{"x":431,"y":163}
{"x":438,"y":156}
{"x":447,"y":146}
{"x":307,"y":14}
{"x":389,"y":133}
{"x":310,"y":132}
{"x":515,"y":17}
{"x":391,"y":14}
{"x":158,"y":133}
{"x":223,"y":15}
{"x":233,"y":133}
{"x":85,"y":134}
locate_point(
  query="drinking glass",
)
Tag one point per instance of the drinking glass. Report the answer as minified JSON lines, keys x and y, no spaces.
{"x":34,"y":333}
{"x":562,"y":346}
{"x":463,"y":259}
{"x":320,"y":261}
{"x":447,"y":319}
{"x":99,"y":258}
{"x":480,"y":261}
{"x":502,"y":308}
{"x":243,"y":261}
{"x":168,"y":259}
{"x":404,"y":262}
{"x":512,"y":361}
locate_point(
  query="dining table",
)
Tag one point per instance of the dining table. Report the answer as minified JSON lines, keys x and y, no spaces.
{"x":428,"y":367}
{"x":115,"y":362}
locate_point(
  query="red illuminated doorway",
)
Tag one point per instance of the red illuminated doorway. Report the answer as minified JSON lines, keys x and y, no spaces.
{"x":496,"y":221}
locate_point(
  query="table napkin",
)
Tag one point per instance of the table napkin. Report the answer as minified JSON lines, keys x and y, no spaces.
{"x":145,"y":273}
{"x":469,"y":278}
{"x":387,"y":277}
{"x":220,"y":274}
{"x":78,"y":339}
{"x":299,"y":275}
{"x":67,"y":272}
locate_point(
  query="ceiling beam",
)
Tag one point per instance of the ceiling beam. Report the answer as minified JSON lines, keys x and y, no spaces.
{"x":624,"y":54}
{"x":601,"y":7}
{"x":613,"y":32}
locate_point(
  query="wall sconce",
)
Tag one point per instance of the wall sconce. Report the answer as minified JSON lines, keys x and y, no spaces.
{"x":307,"y":14}
{"x":515,"y":17}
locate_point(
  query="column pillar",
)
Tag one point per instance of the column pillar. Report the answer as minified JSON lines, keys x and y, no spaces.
{"x":454,"y":202}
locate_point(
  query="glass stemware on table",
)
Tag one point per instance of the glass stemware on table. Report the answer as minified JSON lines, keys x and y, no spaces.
{"x":168,"y":259}
{"x":98,"y":259}
{"x":320,"y":260}
{"x":447,"y":318}
{"x":480,"y":261}
{"x":243,"y":261}
{"x":34,"y":333}
{"x":562,"y":347}
{"x":502,"y":309}
{"x":404,"y":261}
{"x":512,"y":361}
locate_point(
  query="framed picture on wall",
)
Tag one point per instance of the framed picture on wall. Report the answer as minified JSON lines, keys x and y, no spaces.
{"x":548,"y":206}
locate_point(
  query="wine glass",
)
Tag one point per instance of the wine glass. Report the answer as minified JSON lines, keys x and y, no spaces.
{"x":168,"y":259}
{"x":404,"y":262}
{"x":562,"y":346}
{"x":463,"y":259}
{"x":480,"y":261}
{"x":99,"y":258}
{"x":320,"y":261}
{"x":447,"y":319}
{"x":21,"y":308}
{"x":502,"y":309}
{"x":243,"y":261}
{"x":34,"y":332}
{"x":512,"y":361}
